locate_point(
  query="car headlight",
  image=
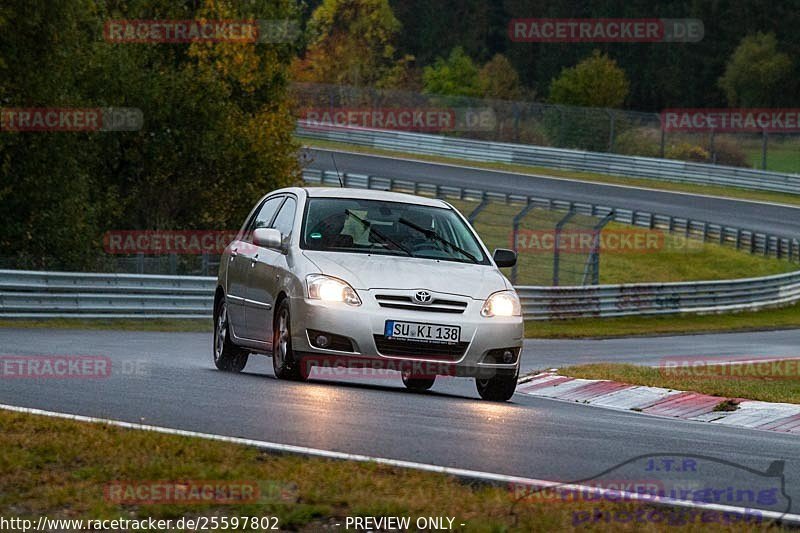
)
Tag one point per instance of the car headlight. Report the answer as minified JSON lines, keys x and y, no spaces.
{"x":503,"y":303}
{"x":329,"y":289}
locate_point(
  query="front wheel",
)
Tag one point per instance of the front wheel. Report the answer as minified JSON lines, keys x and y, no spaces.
{"x":498,"y":388}
{"x":417,"y":384}
{"x":227,"y":356}
{"x":284,"y":362}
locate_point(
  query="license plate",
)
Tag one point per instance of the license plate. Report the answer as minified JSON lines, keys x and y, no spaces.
{"x":414,"y":331}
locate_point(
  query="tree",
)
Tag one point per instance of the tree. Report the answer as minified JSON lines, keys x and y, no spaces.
{"x":217,"y":130}
{"x":596,"y":81}
{"x":457,"y":75}
{"x":351,"y":42}
{"x":498,"y":79}
{"x":404,"y":74}
{"x":757,"y":74}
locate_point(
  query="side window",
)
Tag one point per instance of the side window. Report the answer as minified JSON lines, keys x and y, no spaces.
{"x":285,"y":219}
{"x":263,"y":217}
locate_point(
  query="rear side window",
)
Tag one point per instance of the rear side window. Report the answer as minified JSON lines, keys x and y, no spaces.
{"x":284,"y":221}
{"x":263,"y":217}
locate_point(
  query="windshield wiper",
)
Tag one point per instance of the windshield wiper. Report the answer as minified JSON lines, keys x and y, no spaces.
{"x":378,"y":234}
{"x":429,"y":233}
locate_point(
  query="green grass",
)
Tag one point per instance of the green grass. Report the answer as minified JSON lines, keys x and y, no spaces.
{"x":713,"y":190}
{"x":781,"y":157}
{"x":783,"y":318}
{"x":727,"y":381}
{"x":59,"y":469}
{"x":677,"y":259}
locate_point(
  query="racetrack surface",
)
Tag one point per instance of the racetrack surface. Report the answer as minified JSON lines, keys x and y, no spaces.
{"x":780,"y":220}
{"x":168,"y":379}
{"x":715,"y":347}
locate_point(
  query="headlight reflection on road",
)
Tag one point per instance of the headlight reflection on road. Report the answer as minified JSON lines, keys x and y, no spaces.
{"x":317,"y":409}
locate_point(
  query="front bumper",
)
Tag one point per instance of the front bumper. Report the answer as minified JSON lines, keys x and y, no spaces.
{"x":364,"y":327}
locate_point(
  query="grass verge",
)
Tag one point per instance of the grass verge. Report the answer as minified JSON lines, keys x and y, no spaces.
{"x":768,"y":319}
{"x":64,"y":470}
{"x":713,"y":190}
{"x":769,"y":382}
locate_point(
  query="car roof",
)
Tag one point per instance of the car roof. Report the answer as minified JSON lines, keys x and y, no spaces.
{"x":371,"y":194}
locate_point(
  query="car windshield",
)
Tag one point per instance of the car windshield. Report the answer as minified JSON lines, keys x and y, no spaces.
{"x":390,"y":228}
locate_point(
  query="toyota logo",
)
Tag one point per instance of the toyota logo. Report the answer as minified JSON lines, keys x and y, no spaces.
{"x":422,"y":297}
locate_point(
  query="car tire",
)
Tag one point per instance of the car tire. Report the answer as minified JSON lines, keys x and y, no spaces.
{"x":498,"y":388}
{"x":285,"y":363}
{"x":227,"y":356}
{"x":417,"y":384}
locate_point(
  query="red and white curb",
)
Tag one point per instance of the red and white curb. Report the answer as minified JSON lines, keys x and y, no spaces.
{"x":782,"y":417}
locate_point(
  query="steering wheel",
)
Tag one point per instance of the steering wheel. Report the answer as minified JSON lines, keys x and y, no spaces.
{"x":426,"y":246}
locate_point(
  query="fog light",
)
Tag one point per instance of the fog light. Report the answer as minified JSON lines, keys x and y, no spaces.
{"x":322,"y":341}
{"x":508,"y":356}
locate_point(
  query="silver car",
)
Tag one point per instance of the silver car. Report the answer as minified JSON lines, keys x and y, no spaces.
{"x":367,"y":279}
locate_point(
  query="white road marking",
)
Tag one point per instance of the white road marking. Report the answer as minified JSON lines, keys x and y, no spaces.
{"x":510,"y":481}
{"x":573,"y":180}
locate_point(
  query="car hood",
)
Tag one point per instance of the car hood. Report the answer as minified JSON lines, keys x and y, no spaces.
{"x":364,"y":271}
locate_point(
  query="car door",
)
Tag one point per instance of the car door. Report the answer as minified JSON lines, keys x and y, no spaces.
{"x":265,"y":274}
{"x":242,"y":252}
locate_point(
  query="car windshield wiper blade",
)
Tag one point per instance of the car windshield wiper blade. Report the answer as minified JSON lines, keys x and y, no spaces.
{"x":378,"y":234}
{"x":429,"y":233}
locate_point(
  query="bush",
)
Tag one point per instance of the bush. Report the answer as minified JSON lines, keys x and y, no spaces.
{"x":728,"y":152}
{"x":687,"y":152}
{"x":639,"y":141}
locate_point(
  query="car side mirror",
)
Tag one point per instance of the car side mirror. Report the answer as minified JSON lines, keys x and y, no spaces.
{"x":268,"y":238}
{"x":504,"y":257}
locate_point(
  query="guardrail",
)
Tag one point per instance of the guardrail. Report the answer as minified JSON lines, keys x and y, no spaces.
{"x":33,"y":294}
{"x":557,"y":158}
{"x":544,"y":303}
{"x":742,"y":239}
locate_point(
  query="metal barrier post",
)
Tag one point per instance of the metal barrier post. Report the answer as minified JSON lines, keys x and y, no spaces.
{"x":556,"y":246}
{"x":593,"y":261}
{"x":514,"y":232}
{"x":477,"y":211}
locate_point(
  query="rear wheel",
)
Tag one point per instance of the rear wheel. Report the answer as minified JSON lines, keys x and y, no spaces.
{"x":284,"y":363}
{"x":416,"y":383}
{"x":498,"y":388}
{"x":227,"y":356}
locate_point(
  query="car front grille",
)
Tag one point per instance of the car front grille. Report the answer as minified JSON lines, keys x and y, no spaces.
{"x":419,"y":350}
{"x":438,"y":305}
